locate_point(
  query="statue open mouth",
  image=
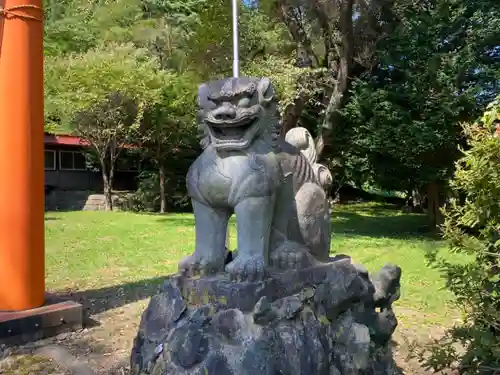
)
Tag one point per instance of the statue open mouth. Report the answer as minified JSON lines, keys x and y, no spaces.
{"x":234,"y":129}
{"x":232,"y":125}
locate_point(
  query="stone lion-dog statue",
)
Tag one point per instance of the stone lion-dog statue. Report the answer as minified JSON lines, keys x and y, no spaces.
{"x":269,"y":180}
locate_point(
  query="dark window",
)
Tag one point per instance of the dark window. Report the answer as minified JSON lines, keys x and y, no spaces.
{"x":66,"y":160}
{"x":79,"y":161}
{"x":72,"y":160}
{"x":50,"y":160}
{"x":127,"y":163}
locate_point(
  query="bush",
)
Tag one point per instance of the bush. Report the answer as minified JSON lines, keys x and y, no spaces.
{"x":472,"y":227}
{"x":147,"y":196}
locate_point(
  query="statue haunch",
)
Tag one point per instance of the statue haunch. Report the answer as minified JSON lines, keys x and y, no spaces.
{"x":272,"y":183}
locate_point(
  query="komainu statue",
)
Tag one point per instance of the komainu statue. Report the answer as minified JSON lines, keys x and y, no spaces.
{"x":283,"y":306}
{"x":272,"y":184}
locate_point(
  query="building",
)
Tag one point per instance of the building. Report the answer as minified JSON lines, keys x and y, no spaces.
{"x":69,"y":180}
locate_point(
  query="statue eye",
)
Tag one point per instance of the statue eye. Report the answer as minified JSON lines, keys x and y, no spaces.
{"x":244,"y":102}
{"x":209,"y":104}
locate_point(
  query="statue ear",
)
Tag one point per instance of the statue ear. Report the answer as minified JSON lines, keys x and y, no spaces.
{"x":203,"y":95}
{"x":265,"y":91}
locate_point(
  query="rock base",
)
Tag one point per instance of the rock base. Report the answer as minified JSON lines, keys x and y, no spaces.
{"x":330,"y":319}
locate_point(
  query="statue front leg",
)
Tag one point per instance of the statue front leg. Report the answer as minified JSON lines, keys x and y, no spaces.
{"x":254,"y":217}
{"x":210,"y":250}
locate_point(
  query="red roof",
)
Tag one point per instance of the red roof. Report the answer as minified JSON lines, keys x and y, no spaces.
{"x":67,"y":140}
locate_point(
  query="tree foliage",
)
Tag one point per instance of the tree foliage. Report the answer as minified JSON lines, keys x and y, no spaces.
{"x":77,"y":81}
{"x":472,"y":226}
{"x":168,"y":126}
{"x":338,"y":36}
{"x":433,"y":70}
{"x":382,"y":84}
{"x":101,"y":95}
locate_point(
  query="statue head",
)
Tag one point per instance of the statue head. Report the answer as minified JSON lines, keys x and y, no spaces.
{"x":233,"y":112}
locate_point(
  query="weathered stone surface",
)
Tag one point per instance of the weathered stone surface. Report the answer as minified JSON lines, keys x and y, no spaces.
{"x":187,"y":345}
{"x":216,"y":364}
{"x":220,"y":290}
{"x":387,"y":285}
{"x":321,"y":320}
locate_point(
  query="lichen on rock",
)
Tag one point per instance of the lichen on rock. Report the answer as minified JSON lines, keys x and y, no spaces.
{"x":328,"y":321}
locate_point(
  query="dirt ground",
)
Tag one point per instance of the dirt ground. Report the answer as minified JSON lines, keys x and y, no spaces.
{"x":104,"y":347}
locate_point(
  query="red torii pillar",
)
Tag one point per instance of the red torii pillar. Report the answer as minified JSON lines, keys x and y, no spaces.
{"x":22,"y":265}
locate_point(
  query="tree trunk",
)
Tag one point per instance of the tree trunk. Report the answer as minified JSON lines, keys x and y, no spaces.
{"x":163,"y":197}
{"x":345,"y":51}
{"x":107,"y":181}
{"x":299,"y":35}
{"x":292,"y":113}
{"x":434,"y":214}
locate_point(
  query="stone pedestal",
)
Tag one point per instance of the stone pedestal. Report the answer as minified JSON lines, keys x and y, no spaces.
{"x":331,"y":319}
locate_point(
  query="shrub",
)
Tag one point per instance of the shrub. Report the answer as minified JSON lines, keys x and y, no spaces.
{"x":147,"y":196}
{"x":472,"y":227}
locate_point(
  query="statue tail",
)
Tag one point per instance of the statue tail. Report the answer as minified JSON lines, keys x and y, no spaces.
{"x":302,"y":139}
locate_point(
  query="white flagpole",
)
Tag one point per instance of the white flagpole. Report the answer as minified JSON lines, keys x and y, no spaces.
{"x":236,"y":63}
{"x":236,"y":66}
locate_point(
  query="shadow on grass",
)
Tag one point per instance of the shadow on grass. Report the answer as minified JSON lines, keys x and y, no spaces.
{"x":185,"y":220}
{"x":380,"y":222}
{"x":70,"y":354}
{"x":177,"y":220}
{"x":96,"y":301}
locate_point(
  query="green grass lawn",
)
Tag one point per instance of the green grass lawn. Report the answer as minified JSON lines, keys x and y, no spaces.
{"x":97,"y":250}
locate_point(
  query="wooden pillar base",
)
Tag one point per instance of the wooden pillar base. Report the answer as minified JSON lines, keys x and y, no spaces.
{"x":18,"y":327}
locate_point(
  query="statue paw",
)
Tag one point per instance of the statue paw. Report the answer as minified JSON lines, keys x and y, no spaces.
{"x":196,"y":264}
{"x":246,"y":268}
{"x":291,"y":256}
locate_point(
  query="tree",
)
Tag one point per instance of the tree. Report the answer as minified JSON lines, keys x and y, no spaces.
{"x":67,"y":28}
{"x":283,"y":74}
{"x":108,"y":127}
{"x":338,"y":36}
{"x":472,"y":227}
{"x":183,"y":15}
{"x":433,"y":69}
{"x":209,"y":47}
{"x":169,"y":125}
{"x":101,"y":96}
{"x":78,"y":25}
